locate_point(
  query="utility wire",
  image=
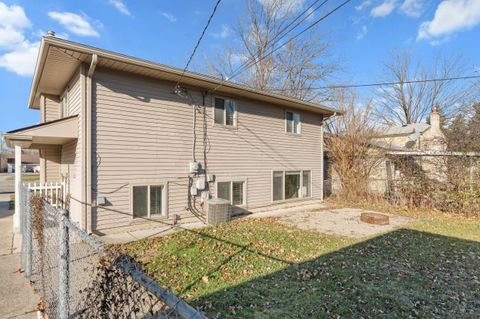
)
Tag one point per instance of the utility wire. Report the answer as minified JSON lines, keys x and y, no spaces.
{"x":198,"y":42}
{"x":286,"y":42}
{"x":346,"y":86}
{"x":286,"y":29}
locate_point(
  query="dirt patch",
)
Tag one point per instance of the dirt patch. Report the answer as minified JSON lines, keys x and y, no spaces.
{"x":342,"y":222}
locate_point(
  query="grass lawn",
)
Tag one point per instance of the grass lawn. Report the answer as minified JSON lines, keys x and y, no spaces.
{"x":26,"y":178}
{"x":258,"y":268}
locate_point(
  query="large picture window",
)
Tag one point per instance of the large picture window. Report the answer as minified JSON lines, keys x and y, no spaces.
{"x":291,"y":184}
{"x":148,"y":200}
{"x":225,"y":112}
{"x":232,"y":191}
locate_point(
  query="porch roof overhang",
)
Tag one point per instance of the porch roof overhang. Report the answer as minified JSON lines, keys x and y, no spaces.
{"x":56,"y":132}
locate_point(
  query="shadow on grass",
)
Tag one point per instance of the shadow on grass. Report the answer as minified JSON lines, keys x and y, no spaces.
{"x":405,"y":273}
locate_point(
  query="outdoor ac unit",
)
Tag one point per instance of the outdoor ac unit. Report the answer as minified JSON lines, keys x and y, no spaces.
{"x":218,"y":211}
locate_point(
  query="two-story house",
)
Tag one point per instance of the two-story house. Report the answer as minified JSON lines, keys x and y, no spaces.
{"x":129,"y":144}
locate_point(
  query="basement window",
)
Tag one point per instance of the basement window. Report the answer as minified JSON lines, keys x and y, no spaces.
{"x":292,"y":122}
{"x":232,"y":191}
{"x":148,"y":201}
{"x":225,"y":112}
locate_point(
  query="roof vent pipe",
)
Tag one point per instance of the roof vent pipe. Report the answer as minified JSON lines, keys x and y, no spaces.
{"x":51,"y":33}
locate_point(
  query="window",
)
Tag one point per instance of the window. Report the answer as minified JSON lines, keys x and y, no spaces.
{"x":148,"y":200}
{"x":292,"y":124}
{"x":225,"y":112}
{"x":231,"y":191}
{"x":291,"y":184}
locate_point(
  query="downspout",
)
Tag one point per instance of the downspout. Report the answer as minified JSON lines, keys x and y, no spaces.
{"x":88,"y":145}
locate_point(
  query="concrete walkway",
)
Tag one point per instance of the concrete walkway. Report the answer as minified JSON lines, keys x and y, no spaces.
{"x":17,"y":299}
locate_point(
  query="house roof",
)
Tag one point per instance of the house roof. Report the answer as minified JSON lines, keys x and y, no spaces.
{"x":59,"y":59}
{"x":408,"y":129}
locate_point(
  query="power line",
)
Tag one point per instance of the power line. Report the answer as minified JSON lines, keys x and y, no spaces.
{"x":286,"y":42}
{"x":198,"y":42}
{"x":280,"y":34}
{"x":346,"y":86}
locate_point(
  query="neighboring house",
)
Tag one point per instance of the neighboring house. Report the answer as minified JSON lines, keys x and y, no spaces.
{"x":30,"y":162}
{"x":122,"y":138}
{"x":423,"y":145}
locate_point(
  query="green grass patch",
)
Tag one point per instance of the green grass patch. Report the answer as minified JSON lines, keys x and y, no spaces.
{"x":259,"y":268}
{"x":26,"y":178}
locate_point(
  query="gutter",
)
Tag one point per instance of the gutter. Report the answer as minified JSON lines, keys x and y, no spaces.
{"x":88,"y":144}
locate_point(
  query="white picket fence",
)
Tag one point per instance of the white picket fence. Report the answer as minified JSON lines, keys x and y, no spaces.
{"x":53,"y":193}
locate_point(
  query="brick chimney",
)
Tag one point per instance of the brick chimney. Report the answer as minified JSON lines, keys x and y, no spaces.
{"x":435,"y":120}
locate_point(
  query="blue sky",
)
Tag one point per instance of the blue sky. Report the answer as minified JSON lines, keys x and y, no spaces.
{"x":364,"y":34}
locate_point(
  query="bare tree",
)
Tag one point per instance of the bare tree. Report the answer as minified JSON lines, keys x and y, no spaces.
{"x":407,"y":103}
{"x":348,"y":141}
{"x":293,"y":69}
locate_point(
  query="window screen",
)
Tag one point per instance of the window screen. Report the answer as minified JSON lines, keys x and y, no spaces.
{"x":229,"y":113}
{"x":277,"y":185}
{"x":289,"y":119}
{"x":237,"y":193}
{"x":292,"y":184}
{"x":296,"y":123}
{"x":223,"y":190}
{"x":156,"y":200}
{"x":306,"y":184}
{"x":140,"y":195}
{"x":219,"y":111}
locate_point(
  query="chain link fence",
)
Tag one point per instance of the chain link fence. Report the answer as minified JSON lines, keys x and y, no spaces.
{"x":77,"y":277}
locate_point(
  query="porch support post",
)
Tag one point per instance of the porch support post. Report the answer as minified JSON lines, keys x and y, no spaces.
{"x":18,"y":183}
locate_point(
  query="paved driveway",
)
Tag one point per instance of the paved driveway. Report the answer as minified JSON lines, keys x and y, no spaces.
{"x":17,"y":299}
{"x":7,"y":183}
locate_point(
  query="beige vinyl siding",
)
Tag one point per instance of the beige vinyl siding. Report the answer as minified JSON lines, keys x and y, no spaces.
{"x":52,"y":158}
{"x":142,"y":133}
{"x":72,"y":152}
{"x":74,"y":101}
{"x":51,"y":109}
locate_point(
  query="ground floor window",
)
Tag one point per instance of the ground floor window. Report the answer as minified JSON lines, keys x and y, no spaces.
{"x":148,"y":200}
{"x":232,"y":191}
{"x":291,"y":184}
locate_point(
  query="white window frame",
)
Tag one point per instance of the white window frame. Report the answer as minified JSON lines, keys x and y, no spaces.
{"x":299,"y":132}
{"x":164,"y":200}
{"x":283,"y":185}
{"x":231,"y":181}
{"x":235,"y":111}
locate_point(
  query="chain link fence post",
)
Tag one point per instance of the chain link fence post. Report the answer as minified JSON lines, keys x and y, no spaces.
{"x":27,"y":233}
{"x":63,"y":294}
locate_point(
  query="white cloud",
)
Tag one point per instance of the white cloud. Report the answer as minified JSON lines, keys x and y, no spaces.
{"x":224,"y":33}
{"x":22,"y":59}
{"x":412,"y":8}
{"x":13,"y":16}
{"x":362,"y":33}
{"x":363,"y":5}
{"x":170,"y":17}
{"x":310,"y":14}
{"x":451,"y":16}
{"x":74,"y":23}
{"x":17,"y":54}
{"x":120,"y":6}
{"x":384,"y":9}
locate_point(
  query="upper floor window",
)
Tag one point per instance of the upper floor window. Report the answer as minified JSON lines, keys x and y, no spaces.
{"x":292,"y":124}
{"x":225,"y":112}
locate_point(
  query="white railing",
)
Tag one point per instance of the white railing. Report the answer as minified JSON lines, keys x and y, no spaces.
{"x":53,"y":193}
